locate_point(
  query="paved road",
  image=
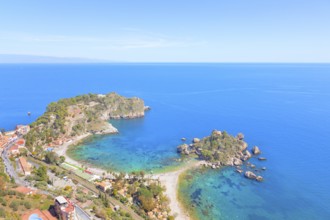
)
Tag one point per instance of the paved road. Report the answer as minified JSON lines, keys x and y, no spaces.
{"x":9,"y":168}
{"x":82,"y":215}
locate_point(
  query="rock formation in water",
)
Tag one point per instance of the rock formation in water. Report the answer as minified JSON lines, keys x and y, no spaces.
{"x":221,"y":149}
{"x":256,"y":150}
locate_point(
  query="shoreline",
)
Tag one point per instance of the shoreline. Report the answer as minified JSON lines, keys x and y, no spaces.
{"x":171,"y":182}
{"x":62,"y":151}
{"x":169,"y":179}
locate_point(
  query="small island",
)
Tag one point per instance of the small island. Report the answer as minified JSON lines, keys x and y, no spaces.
{"x":221,"y":149}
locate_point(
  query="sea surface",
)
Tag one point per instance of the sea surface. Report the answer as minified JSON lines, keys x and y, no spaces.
{"x":282,"y":108}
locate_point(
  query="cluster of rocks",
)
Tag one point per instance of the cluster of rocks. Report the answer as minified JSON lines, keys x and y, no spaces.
{"x":188,"y":149}
{"x":250,"y":174}
{"x":236,"y":154}
{"x":184,"y":149}
{"x":253,"y":176}
{"x":256,"y":150}
{"x":147,"y":108}
{"x":215,"y":165}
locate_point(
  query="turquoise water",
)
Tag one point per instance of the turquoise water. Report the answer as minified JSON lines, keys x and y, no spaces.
{"x":283,"y":108}
{"x":227,"y":195}
{"x":130,"y":149}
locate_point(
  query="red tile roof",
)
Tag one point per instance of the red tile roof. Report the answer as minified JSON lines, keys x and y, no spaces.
{"x":24,"y":164}
{"x":20,"y":141}
{"x":14,"y":147}
{"x":69,"y":208}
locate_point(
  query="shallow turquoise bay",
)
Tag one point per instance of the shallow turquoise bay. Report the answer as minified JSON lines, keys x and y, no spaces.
{"x":128,"y":151}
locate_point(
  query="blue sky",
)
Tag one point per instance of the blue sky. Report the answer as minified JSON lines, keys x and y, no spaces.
{"x":168,"y":31}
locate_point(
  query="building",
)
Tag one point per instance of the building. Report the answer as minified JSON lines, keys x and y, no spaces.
{"x":22,"y":129}
{"x":65,"y":209}
{"x":38,"y":214}
{"x":12,"y":138}
{"x":20,"y":143}
{"x":104,"y":185}
{"x":58,"y":142}
{"x":3,"y":140}
{"x":14,"y":150}
{"x":26,"y":167}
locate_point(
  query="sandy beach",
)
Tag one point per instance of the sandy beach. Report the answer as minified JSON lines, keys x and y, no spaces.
{"x":61,"y":151}
{"x":171,"y":181}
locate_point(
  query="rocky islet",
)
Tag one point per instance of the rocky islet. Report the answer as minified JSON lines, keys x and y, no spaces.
{"x":221,"y":149}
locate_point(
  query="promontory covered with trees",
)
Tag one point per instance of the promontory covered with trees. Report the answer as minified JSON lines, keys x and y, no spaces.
{"x":72,"y":117}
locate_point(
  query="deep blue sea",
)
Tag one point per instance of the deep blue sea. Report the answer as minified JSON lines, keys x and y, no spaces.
{"x":282,"y":108}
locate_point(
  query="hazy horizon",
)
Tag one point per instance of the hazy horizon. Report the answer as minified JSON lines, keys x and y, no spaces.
{"x":171,"y":31}
{"x":31,"y":59}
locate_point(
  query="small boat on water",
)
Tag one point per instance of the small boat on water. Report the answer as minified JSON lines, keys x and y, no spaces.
{"x":29,"y":113}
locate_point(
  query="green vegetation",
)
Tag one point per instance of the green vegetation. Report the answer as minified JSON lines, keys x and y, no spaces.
{"x":143,"y":195}
{"x":101,"y":206}
{"x":53,"y":158}
{"x":13,"y":204}
{"x":39,"y":177}
{"x":185,"y":180}
{"x":4,"y":179}
{"x":218,"y":147}
{"x":146,"y":199}
{"x":74,"y":116}
{"x":76,"y":170}
{"x":40,"y":174}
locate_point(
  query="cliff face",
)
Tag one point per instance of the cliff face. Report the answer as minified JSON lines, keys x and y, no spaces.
{"x":87,"y":113}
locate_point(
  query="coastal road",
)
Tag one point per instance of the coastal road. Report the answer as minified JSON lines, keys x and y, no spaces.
{"x":82,"y":215}
{"x":9,"y":168}
{"x":93,"y":188}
